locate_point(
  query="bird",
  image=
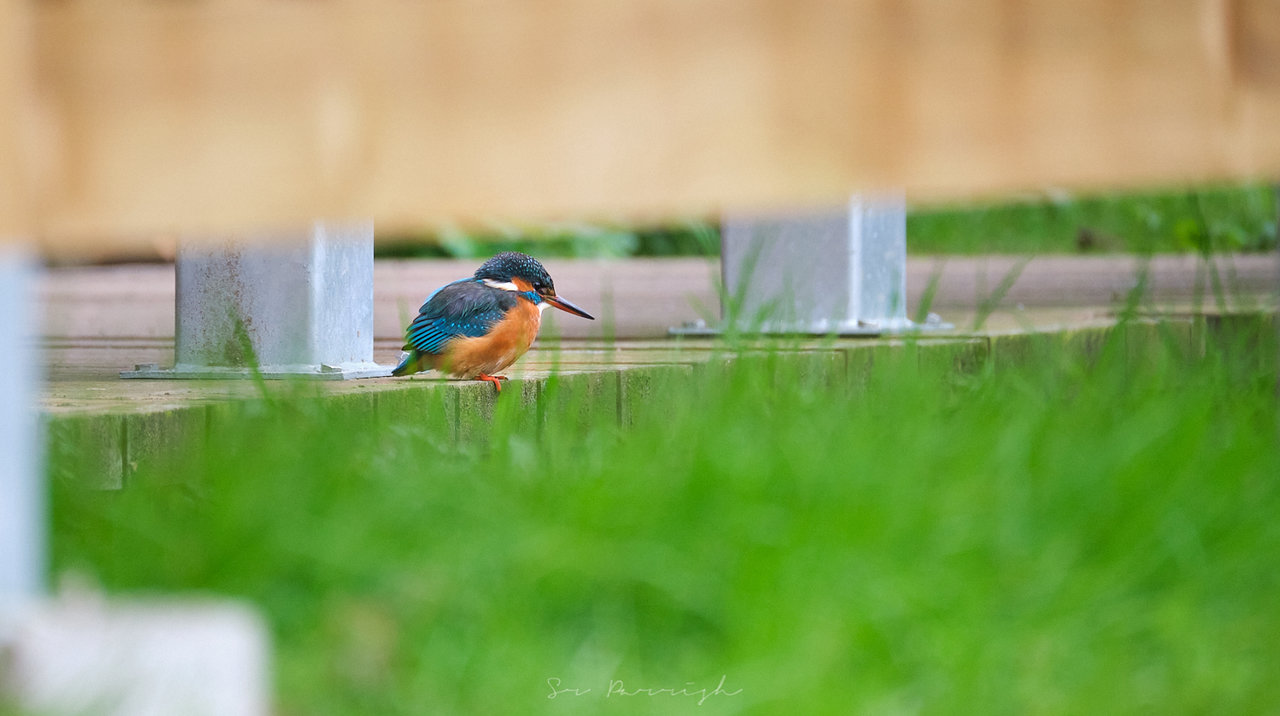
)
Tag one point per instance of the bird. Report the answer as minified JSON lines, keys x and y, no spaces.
{"x":474,"y":328}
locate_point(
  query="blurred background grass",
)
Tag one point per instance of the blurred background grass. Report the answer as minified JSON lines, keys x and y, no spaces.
{"x":1238,"y":217}
{"x":1081,"y":534}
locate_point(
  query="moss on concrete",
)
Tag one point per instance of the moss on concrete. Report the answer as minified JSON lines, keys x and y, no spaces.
{"x":87,"y":450}
{"x":160,"y":444}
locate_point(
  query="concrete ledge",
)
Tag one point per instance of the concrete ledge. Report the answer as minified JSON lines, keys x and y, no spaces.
{"x":102,"y":444}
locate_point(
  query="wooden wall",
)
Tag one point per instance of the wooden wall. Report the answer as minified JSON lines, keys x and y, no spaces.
{"x":122,"y":119}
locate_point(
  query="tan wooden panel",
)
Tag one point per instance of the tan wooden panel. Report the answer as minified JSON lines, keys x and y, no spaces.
{"x":155,"y":116}
{"x":14,"y":55}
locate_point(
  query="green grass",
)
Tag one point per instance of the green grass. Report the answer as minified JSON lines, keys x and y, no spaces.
{"x":1217,"y":219}
{"x":1222,"y":218}
{"x":1078,"y":535}
{"x":593,"y":240}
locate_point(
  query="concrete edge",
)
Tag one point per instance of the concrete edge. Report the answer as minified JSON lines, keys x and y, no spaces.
{"x":112,"y":450}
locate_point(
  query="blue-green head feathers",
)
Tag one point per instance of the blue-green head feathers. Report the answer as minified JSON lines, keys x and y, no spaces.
{"x":513,"y":264}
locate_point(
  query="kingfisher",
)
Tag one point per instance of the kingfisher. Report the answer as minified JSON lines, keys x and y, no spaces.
{"x":475,"y":327}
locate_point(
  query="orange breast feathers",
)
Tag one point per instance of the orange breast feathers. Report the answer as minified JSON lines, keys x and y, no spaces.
{"x":500,"y":347}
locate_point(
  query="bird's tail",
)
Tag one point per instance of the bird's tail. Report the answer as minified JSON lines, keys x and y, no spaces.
{"x":408,"y":364}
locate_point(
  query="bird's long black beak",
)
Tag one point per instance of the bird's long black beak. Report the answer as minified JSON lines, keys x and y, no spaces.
{"x":567,"y":307}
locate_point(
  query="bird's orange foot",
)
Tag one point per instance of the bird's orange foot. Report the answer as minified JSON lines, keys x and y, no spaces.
{"x":495,"y":379}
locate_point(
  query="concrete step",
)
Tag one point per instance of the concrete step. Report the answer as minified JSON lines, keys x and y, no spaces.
{"x":150,"y":428}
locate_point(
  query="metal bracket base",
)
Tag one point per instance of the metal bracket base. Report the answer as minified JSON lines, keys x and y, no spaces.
{"x":324,"y":371}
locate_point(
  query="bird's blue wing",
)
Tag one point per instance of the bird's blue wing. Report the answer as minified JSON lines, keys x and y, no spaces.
{"x":462,"y":308}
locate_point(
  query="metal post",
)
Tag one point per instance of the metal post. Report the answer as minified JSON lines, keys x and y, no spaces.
{"x":277,"y":306}
{"x":22,"y":493}
{"x":77,"y":654}
{"x":841,"y":271}
{"x":878,"y":258}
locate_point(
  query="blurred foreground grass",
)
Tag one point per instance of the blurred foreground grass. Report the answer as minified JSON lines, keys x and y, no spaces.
{"x":1071,"y":536}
